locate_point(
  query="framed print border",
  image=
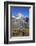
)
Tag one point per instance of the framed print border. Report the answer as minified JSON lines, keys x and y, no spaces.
{"x":6,"y":36}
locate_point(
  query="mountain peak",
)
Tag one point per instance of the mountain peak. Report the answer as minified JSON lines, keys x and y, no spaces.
{"x":19,"y":15}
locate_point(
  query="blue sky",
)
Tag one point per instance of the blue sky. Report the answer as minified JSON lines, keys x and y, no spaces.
{"x":16,"y":10}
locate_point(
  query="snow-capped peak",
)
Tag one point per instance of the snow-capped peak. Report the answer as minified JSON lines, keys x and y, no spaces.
{"x":19,"y":15}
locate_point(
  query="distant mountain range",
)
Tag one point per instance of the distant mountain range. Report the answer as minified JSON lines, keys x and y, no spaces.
{"x":20,"y":21}
{"x":20,"y":16}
